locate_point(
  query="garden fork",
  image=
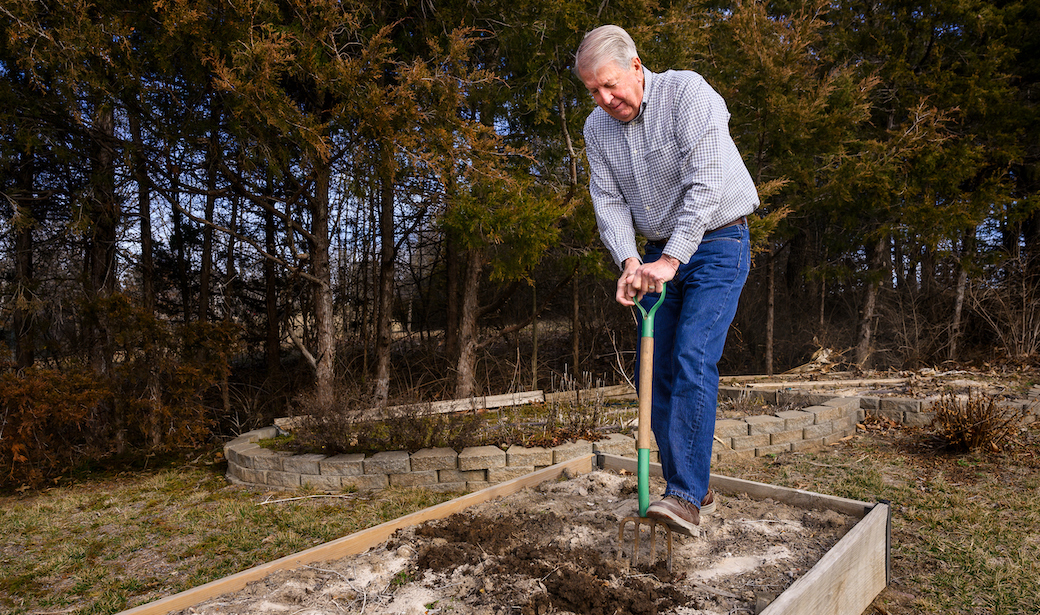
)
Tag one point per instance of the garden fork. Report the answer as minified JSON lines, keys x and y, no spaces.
{"x":646,"y":376}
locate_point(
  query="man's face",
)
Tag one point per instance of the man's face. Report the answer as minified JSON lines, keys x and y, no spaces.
{"x":617,"y":90}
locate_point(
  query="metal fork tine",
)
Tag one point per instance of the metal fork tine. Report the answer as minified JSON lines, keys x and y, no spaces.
{"x":652,"y":524}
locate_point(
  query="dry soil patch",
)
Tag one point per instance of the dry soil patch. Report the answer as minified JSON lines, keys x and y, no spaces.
{"x":555,"y":549}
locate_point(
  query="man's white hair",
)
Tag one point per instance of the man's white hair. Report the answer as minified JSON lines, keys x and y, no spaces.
{"x":604,"y":44}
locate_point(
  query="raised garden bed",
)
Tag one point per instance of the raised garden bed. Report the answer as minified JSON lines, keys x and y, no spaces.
{"x":845,"y":579}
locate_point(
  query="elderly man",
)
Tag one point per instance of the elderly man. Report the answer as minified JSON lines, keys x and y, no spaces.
{"x":664,"y":165}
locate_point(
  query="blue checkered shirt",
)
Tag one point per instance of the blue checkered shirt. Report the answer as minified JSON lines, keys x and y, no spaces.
{"x":671,"y":173}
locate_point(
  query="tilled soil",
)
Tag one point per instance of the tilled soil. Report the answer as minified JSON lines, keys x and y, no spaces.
{"x":555,"y":549}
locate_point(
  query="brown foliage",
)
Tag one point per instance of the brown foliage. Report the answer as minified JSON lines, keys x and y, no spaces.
{"x":154,"y":397}
{"x":45,"y":422}
{"x":976,"y":422}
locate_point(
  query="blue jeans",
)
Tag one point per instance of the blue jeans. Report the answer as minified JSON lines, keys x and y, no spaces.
{"x":689,"y":334}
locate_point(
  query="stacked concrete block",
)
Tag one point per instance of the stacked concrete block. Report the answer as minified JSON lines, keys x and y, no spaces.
{"x":825,"y":422}
{"x":619,"y":444}
{"x":343,"y":465}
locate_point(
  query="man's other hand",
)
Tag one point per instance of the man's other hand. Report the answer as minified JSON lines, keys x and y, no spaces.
{"x":639,"y":279}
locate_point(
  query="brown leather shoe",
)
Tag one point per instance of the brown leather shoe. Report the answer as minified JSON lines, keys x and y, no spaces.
{"x":681,"y":515}
{"x":708,"y":503}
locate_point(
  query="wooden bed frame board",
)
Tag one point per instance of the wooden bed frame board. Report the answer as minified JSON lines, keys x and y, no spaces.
{"x":847,"y":578}
{"x":843,"y":582}
{"x":358,"y":542}
{"x":760,"y":491}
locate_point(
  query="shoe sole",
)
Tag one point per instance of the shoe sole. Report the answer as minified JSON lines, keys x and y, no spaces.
{"x":664,"y":513}
{"x":677,"y":524}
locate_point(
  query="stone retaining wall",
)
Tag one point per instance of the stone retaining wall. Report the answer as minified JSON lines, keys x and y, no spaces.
{"x":826,"y":422}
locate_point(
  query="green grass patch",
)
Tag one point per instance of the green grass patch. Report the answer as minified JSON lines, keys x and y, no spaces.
{"x":103,"y":545}
{"x":965,"y":528}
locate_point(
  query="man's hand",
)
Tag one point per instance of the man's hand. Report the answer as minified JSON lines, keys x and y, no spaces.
{"x":639,"y":279}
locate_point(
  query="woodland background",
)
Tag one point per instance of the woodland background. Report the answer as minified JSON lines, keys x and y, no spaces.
{"x":213,"y":213}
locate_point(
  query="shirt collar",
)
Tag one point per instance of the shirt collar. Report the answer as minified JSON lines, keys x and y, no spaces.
{"x":647,"y":78}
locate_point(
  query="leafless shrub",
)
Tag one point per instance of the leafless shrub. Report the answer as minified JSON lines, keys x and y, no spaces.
{"x":1011,"y":307}
{"x":975,"y":422}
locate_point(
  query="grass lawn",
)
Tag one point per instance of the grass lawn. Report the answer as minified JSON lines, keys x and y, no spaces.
{"x":966,"y":528}
{"x":107,"y":544}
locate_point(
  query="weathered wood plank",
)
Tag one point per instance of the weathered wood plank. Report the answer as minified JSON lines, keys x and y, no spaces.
{"x":847,"y":578}
{"x":793,"y":497}
{"x":601,"y":392}
{"x":488,"y":402}
{"x":811,"y":384}
{"x":761,"y":491}
{"x":357,"y":542}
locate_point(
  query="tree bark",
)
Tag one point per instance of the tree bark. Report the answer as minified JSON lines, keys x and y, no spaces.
{"x":387,"y":256}
{"x":465,"y":368}
{"x":24,"y":297}
{"x":230,"y":268}
{"x":576,"y":330}
{"x":146,"y":267}
{"x":273,"y":342}
{"x":323,"y":307}
{"x":770,"y":310}
{"x":206,"y":268}
{"x":102,"y":214}
{"x":146,"y":270}
{"x":534,"y":337}
{"x":103,"y":217}
{"x":928,"y":265}
{"x":179,"y":243}
{"x":452,"y":298}
{"x":967,"y":250}
{"x":872,"y":286}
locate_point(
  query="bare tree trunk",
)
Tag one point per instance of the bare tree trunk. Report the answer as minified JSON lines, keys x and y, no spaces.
{"x":323,"y":308}
{"x":575,"y":330}
{"x":102,"y":212}
{"x":967,"y":250}
{"x":231,"y":267}
{"x":823,"y":305}
{"x":899,"y":264}
{"x":273,"y":342}
{"x":866,"y":321}
{"x":179,"y":242}
{"x":866,"y":324}
{"x":387,"y":256}
{"x":103,"y":217}
{"x":770,"y":311}
{"x":206,"y":268}
{"x":534,"y":337}
{"x":146,"y":269}
{"x":366,"y":291}
{"x":144,"y":211}
{"x":452,"y":298}
{"x":23,"y":223}
{"x":465,"y":368}
{"x":928,"y":265}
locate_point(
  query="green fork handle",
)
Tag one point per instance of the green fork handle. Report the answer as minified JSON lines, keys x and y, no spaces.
{"x":646,"y":377}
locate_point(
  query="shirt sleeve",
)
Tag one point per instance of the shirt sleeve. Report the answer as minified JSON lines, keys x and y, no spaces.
{"x":701,"y":129}
{"x":612,"y":213}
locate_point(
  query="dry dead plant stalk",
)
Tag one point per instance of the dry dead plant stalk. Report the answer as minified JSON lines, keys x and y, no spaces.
{"x":975,"y":422}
